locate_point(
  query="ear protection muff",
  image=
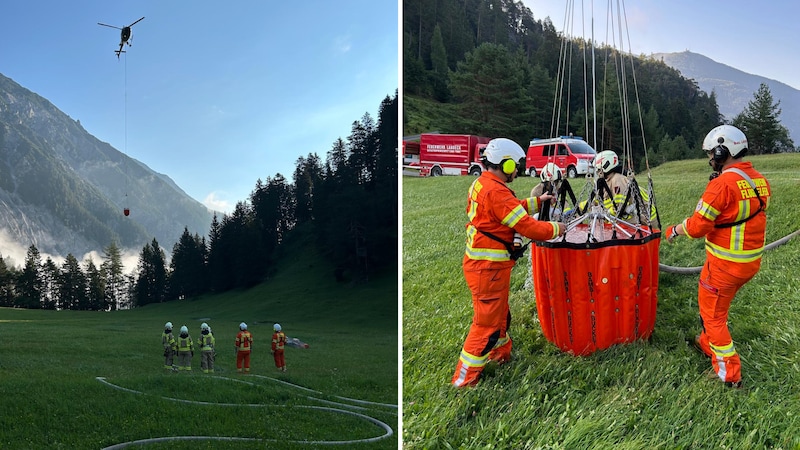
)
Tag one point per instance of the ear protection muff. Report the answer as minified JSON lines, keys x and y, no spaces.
{"x":721,"y":153}
{"x":509,"y":166}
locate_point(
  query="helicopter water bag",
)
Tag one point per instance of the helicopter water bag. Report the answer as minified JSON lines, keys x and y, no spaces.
{"x":591,"y":295}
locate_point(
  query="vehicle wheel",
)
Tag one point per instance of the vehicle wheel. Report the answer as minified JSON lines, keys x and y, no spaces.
{"x":532,"y":171}
{"x":436,"y":171}
{"x":571,"y":172}
{"x":475,"y":171}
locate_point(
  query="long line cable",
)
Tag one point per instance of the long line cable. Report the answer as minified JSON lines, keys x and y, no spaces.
{"x":125,"y":205}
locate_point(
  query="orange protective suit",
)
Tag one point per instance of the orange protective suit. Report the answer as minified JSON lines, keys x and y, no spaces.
{"x":244,"y":343}
{"x":733,"y":256}
{"x":278,"y":343}
{"x":492,"y":207}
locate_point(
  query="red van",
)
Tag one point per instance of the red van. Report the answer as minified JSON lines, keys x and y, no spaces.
{"x":570,"y":153}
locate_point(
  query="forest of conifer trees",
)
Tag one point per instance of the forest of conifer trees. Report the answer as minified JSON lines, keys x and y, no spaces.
{"x":348,"y":202}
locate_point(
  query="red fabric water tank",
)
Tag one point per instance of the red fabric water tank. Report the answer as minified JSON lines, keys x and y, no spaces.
{"x":592,"y":295}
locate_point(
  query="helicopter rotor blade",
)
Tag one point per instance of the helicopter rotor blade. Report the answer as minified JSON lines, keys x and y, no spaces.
{"x":111,"y":26}
{"x":134,"y":23}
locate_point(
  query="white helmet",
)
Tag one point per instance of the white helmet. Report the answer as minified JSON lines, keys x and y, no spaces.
{"x":242,"y":326}
{"x":605,"y":161}
{"x":184,"y":329}
{"x":276,"y":327}
{"x":168,"y":326}
{"x":727,"y":137}
{"x":550,"y":172}
{"x":502,"y":149}
{"x":204,"y":326}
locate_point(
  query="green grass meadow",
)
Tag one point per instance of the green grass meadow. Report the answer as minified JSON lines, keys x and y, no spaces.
{"x":644,"y":395}
{"x":340,"y":389}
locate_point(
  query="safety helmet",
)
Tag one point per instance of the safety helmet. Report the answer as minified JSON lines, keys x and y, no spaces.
{"x":242,"y":326}
{"x":605,"y":161}
{"x":725,"y":138}
{"x":276,"y":327}
{"x":204,"y":326}
{"x":500,"y":150}
{"x":184,"y":329}
{"x":550,"y":172}
{"x":168,"y":326}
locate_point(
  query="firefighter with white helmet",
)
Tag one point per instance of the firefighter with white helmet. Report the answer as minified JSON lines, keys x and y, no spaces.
{"x":185,"y":349}
{"x":168,"y":341}
{"x":244,"y":345}
{"x":551,"y":180}
{"x":731,"y":216}
{"x":207,"y":351}
{"x":278,"y":344}
{"x":495,"y":214}
{"x":609,"y":171}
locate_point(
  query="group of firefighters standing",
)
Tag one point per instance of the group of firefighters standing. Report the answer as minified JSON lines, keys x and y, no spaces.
{"x":178,"y":352}
{"x":730,"y":216}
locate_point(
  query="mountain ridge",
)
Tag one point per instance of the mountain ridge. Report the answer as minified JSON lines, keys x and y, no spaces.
{"x":734,"y":88}
{"x":63,"y":190}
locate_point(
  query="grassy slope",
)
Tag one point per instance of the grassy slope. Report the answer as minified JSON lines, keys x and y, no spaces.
{"x":422,"y":115}
{"x":637,"y":396}
{"x":49,"y":361}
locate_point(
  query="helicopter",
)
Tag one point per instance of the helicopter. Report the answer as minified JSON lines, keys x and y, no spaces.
{"x":125,"y":35}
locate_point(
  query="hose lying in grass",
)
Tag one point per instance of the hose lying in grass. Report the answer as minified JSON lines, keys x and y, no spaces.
{"x":693,"y":270}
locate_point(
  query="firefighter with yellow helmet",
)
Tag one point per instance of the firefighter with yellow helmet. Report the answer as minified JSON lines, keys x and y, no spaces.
{"x":495,"y":214}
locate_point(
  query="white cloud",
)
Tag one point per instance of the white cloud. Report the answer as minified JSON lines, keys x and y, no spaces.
{"x":214,"y":203}
{"x":14,"y":255}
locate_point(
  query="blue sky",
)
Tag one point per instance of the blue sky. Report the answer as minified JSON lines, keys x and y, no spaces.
{"x":756,"y":37}
{"x":213,"y":94}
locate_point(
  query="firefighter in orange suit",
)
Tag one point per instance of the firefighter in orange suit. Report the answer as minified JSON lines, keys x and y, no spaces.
{"x":495,"y":214}
{"x":278,"y":344}
{"x":244,"y":343}
{"x":731,"y":216}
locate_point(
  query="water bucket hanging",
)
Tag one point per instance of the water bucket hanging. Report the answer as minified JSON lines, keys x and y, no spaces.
{"x":592,"y":295}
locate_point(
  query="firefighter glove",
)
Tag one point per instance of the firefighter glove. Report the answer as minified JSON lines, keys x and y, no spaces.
{"x":672,"y":231}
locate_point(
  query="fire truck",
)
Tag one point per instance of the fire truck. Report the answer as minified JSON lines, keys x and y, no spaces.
{"x":451,"y":154}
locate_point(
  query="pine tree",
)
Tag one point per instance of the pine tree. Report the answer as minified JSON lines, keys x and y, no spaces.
{"x":7,"y":276}
{"x":72,"y":285}
{"x":29,"y":284}
{"x":115,"y":295}
{"x":493,"y":98}
{"x":51,"y":297}
{"x":151,"y":277}
{"x":95,"y":287}
{"x":188,"y":271}
{"x":760,"y":123}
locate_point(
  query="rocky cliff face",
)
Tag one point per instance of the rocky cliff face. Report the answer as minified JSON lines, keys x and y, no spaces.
{"x":64,"y":191}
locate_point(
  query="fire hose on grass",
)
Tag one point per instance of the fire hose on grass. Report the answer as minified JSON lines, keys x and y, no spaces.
{"x":693,"y":270}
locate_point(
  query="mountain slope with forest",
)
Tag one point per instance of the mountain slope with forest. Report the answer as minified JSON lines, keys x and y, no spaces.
{"x":495,"y":68}
{"x":63,"y":190}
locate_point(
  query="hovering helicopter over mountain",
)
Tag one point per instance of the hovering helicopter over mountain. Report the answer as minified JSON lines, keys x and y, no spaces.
{"x":125,"y":35}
